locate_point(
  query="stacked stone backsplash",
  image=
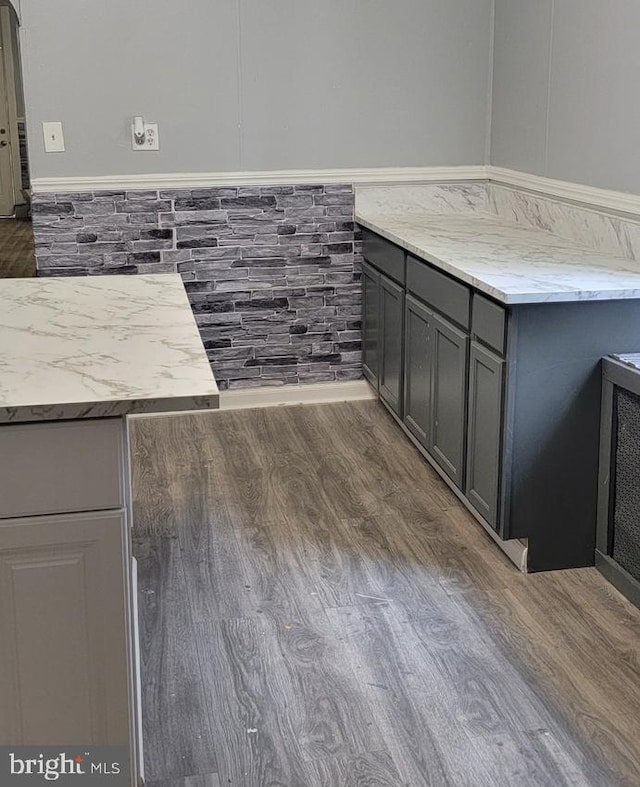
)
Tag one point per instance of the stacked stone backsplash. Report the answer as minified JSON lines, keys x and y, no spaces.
{"x":272,"y":272}
{"x":24,"y":160}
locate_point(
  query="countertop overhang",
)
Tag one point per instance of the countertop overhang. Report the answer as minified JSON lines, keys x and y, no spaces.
{"x":511,"y":263}
{"x":99,"y":346}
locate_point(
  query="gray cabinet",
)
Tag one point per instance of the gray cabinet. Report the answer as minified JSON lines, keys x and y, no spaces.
{"x":484,"y":435}
{"x":66,"y":580}
{"x":65,"y":636}
{"x":383,"y":329}
{"x":391,"y":343}
{"x":417,"y":350}
{"x":435,"y":387}
{"x":449,"y":394}
{"x":417,"y":369}
{"x":371,"y":322}
{"x":502,"y":399}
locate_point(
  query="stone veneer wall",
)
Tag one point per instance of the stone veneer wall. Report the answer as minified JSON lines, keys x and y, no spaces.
{"x":272,"y":273}
{"x":24,"y":161}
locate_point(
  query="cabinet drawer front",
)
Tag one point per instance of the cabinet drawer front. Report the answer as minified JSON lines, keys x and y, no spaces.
{"x":438,"y":290}
{"x":384,"y":255}
{"x":489,"y":323}
{"x":61,"y":467}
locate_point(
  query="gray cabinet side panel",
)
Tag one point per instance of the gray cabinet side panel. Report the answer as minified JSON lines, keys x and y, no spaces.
{"x":556,"y":423}
{"x":605,"y":468}
{"x":484,"y":434}
{"x":448,"y":412}
{"x":417,"y":369}
{"x":392,"y":330}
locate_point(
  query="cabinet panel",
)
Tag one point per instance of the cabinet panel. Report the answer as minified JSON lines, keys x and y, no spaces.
{"x":385,"y":255}
{"x":489,"y":323}
{"x":448,"y":424}
{"x":77,"y":464}
{"x":371,"y":326}
{"x":417,"y":369}
{"x":446,"y":295}
{"x":486,"y":372}
{"x":64,"y":598}
{"x":391,"y":335}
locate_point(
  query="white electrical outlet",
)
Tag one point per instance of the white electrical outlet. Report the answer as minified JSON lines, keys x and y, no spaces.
{"x":53,"y":139}
{"x":151,"y":140}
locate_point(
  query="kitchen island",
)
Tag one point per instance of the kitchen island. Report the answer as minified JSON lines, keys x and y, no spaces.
{"x":77,"y":357}
{"x":483,"y":337}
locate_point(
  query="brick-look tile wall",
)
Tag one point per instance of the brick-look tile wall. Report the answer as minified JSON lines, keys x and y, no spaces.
{"x":272,"y":273}
{"x":24,"y":161}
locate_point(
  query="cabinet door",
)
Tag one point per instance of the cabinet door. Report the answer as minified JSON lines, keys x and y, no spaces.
{"x":371,"y":323}
{"x":391,"y":336}
{"x":64,"y":618}
{"x":418,"y":358}
{"x":448,"y":406}
{"x":486,"y":385}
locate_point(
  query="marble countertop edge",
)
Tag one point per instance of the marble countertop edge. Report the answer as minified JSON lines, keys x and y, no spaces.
{"x":68,"y":411}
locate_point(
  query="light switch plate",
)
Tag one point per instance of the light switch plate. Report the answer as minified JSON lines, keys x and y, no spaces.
{"x":53,"y":138}
{"x":151,"y":138}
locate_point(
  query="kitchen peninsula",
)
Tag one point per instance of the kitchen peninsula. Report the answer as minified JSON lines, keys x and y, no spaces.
{"x":77,"y":356}
{"x":483,"y":334}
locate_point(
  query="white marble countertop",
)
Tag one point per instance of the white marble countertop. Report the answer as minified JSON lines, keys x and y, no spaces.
{"x":96,"y":346}
{"x":510,"y":262}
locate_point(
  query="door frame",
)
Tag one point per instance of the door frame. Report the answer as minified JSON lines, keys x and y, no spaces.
{"x":9,"y":58}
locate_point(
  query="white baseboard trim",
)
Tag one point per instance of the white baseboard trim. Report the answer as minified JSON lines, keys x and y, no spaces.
{"x":187,"y":180}
{"x":313,"y":393}
{"x":599,"y":199}
{"x":590,"y":196}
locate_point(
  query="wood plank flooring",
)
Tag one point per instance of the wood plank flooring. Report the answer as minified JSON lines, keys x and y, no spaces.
{"x":318,"y":609}
{"x":17,"y":256}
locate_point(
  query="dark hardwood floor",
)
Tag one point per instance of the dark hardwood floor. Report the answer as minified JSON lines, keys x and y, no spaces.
{"x":17,"y":256}
{"x":318,"y":609}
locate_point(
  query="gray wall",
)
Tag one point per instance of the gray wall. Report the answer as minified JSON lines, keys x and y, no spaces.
{"x":251,"y":85}
{"x":566,"y":76}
